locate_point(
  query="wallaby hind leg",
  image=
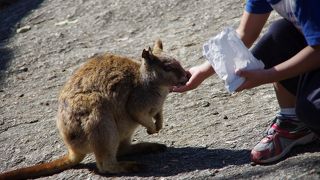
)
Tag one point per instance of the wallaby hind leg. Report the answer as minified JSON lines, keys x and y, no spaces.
{"x":111,"y":165}
{"x":126,"y":148}
{"x":75,"y":157}
{"x":107,"y":161}
{"x":105,"y":143}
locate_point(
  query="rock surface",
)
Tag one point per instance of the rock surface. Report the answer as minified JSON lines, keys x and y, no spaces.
{"x":209,"y":132}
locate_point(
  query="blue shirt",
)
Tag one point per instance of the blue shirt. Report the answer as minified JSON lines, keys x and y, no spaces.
{"x":304,"y":14}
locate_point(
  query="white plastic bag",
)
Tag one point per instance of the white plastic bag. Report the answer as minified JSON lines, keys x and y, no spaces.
{"x":227,"y":53}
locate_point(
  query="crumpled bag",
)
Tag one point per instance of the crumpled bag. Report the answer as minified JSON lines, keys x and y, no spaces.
{"x":227,"y":53}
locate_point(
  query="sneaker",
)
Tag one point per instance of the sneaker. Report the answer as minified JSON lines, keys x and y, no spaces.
{"x":281,"y":137}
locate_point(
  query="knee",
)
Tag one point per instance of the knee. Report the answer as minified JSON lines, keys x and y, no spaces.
{"x":271,"y":48}
{"x":279,"y":30}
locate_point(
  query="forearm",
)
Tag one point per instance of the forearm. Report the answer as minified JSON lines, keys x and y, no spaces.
{"x":250,"y":27}
{"x":306,"y":60}
{"x":206,"y":69}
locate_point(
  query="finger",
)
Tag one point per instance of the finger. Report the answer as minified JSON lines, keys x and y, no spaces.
{"x":191,"y":78}
{"x":241,"y":73}
{"x":180,"y":89}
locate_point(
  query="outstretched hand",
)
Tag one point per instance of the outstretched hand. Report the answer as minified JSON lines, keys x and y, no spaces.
{"x":196,"y":75}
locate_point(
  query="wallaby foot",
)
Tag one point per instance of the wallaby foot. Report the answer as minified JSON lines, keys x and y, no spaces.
{"x":141,"y":148}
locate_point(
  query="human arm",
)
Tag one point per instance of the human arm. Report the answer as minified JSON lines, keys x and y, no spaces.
{"x":251,"y":26}
{"x":306,"y":60}
{"x":248,"y":30}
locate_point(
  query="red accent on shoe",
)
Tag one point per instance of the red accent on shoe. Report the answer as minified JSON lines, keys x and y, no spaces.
{"x":287,"y":134}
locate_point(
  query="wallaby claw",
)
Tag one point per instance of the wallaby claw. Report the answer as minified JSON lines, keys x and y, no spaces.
{"x":152,"y":131}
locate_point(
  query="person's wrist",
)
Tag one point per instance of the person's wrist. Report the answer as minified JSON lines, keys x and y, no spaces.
{"x":206,"y":69}
{"x":270,"y":75}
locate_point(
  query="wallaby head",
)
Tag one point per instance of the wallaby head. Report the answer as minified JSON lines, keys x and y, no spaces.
{"x":161,"y":68}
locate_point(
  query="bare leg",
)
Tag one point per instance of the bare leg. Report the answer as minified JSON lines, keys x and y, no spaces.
{"x":285,"y":98}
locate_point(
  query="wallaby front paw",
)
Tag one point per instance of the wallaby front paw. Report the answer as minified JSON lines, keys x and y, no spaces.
{"x":152,"y":131}
{"x":153,"y":128}
{"x":158,"y":126}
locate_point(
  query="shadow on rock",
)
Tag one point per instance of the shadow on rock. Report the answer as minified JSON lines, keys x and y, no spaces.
{"x":11,"y":12}
{"x":182,"y":160}
{"x":312,"y":147}
{"x":294,"y":160}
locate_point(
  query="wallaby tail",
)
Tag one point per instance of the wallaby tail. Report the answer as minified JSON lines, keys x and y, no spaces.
{"x":45,"y":169}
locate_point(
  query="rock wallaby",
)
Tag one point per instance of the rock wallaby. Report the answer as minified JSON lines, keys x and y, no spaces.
{"x":101,"y":106}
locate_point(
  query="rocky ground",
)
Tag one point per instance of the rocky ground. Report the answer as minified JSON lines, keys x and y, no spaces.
{"x":209,"y":133}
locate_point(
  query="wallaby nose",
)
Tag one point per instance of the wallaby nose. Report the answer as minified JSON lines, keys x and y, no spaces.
{"x":184,"y":79}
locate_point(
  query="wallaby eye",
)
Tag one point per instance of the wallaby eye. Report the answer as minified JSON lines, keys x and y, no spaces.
{"x":168,"y":68}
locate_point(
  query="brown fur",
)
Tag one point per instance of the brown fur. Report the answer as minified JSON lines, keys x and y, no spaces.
{"x":101,"y":106}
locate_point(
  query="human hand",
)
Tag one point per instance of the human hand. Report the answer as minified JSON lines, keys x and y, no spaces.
{"x":254,"y":78}
{"x":196,"y":75}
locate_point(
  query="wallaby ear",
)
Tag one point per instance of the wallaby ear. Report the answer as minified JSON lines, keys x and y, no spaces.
{"x":148,"y":56}
{"x":146,"y":53}
{"x":158,"y":47}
